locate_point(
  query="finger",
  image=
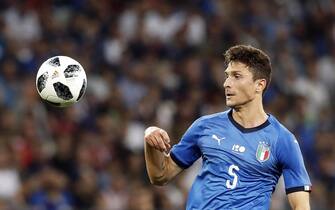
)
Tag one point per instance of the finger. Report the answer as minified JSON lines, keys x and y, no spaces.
{"x":150,"y":130}
{"x":167,"y":145}
{"x":160,"y":143}
{"x":148,"y":138}
{"x":165,"y":137}
{"x":154,"y":144}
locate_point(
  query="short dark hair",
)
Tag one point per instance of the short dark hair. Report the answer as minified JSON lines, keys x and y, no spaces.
{"x":256,"y":59}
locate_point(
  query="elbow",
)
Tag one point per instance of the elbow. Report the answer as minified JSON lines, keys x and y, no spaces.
{"x":159,"y":180}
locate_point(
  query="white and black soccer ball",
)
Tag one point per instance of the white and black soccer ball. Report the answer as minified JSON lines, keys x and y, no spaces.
{"x":61,"y":81}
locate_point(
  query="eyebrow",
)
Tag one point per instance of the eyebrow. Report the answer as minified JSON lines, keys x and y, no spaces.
{"x":232,"y":71}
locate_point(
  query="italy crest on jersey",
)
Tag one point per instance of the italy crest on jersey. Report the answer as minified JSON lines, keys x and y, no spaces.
{"x":263,"y":152}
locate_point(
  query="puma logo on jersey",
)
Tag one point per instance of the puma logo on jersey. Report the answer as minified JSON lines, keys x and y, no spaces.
{"x":217,"y":138}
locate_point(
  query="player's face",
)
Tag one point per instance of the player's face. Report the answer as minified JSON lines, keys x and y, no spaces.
{"x":240,"y":88}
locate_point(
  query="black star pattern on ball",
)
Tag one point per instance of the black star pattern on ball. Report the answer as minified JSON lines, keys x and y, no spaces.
{"x":41,"y":81}
{"x":54,"y":61}
{"x":62,"y":91}
{"x":82,"y":90}
{"x":71,"y":71}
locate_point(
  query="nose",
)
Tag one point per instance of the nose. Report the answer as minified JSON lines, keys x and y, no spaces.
{"x":226,"y":83}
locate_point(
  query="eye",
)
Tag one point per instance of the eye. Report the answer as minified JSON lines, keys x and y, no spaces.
{"x":237,"y":76}
{"x":225,"y":75}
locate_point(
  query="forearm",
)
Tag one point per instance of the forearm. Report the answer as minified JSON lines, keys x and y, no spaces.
{"x":160,"y":167}
{"x":156,"y":163}
{"x":301,"y":207}
{"x":299,"y":200}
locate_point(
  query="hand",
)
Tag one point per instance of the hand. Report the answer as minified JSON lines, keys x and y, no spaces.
{"x":157,"y":138}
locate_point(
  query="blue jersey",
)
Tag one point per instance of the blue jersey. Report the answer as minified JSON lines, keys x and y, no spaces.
{"x":241,"y":166}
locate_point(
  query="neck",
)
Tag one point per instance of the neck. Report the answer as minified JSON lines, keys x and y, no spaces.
{"x":250,"y":115}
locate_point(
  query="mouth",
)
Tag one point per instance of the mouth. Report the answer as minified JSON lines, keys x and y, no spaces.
{"x":229,"y":94}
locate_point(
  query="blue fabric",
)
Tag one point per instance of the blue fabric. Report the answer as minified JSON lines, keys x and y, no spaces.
{"x":232,"y":177}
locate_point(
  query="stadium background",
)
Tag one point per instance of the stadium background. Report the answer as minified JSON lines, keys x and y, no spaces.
{"x":151,"y":62}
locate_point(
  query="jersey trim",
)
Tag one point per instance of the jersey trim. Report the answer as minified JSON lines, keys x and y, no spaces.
{"x":177,"y":161}
{"x":243,"y":129}
{"x":305,"y":188}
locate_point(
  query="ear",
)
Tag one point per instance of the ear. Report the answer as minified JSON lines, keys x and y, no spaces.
{"x":260,"y":85}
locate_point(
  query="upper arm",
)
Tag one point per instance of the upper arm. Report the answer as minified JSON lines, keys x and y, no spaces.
{"x":290,"y":158}
{"x":299,"y":200}
{"x":183,"y":154}
{"x":187,"y":151}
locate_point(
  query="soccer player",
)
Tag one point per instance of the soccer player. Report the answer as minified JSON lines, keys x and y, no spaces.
{"x":244,"y":150}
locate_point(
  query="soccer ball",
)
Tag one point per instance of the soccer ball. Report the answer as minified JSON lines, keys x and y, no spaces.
{"x":61,"y":81}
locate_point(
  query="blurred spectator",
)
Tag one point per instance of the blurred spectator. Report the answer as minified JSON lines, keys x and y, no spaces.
{"x":151,"y":62}
{"x":9,"y":174}
{"x":22,"y":23}
{"x":51,"y":192}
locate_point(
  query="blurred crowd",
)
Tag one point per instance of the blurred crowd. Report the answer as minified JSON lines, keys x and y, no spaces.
{"x":151,"y":62}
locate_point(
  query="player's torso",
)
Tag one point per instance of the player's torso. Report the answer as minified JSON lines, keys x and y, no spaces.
{"x":252,"y":151}
{"x":236,"y":166}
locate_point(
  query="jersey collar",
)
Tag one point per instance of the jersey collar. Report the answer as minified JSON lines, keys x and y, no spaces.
{"x":243,"y":129}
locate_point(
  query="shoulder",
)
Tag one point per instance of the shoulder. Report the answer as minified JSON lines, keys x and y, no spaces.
{"x":282,"y":131}
{"x":203,"y":123}
{"x":285,"y":138}
{"x":211,"y":119}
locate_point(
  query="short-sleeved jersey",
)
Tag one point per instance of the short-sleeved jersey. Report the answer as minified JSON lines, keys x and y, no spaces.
{"x":241,"y":166}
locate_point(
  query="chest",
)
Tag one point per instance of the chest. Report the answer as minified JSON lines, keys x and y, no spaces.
{"x":253,"y":151}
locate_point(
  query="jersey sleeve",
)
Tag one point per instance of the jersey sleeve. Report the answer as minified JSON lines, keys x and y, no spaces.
{"x":294,"y":172}
{"x":186,"y":152}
